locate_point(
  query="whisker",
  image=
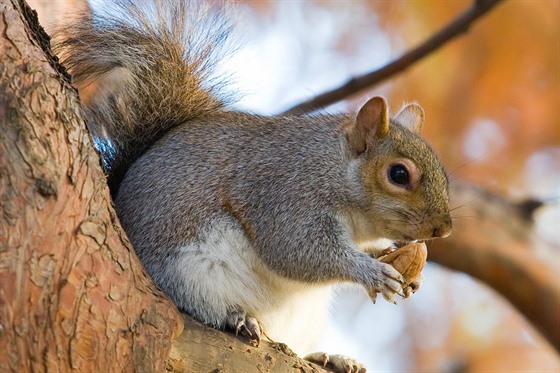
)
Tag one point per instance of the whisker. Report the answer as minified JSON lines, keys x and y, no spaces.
{"x":451,"y":174}
{"x":467,"y":203}
{"x":457,"y":217}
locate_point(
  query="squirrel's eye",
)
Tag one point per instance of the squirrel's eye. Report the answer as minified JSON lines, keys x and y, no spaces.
{"x":398,"y":174}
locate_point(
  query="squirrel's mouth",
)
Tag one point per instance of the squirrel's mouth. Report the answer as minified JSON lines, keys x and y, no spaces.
{"x":400,"y":244}
{"x":406,"y":241}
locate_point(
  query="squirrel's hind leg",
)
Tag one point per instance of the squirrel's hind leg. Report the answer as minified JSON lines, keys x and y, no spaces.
{"x":212,"y":278}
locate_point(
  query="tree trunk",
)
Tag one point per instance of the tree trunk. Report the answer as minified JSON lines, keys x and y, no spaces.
{"x":73,"y":296}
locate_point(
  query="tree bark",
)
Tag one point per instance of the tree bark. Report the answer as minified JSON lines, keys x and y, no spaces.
{"x":203,"y":349}
{"x":73,"y":296}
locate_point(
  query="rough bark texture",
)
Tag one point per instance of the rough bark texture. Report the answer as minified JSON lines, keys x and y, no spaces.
{"x":73,"y":295}
{"x":203,"y":349}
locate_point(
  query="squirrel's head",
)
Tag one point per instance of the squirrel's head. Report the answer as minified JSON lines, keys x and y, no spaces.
{"x":405,"y":185}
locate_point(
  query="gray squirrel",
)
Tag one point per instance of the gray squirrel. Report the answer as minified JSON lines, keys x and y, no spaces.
{"x":246,"y":221}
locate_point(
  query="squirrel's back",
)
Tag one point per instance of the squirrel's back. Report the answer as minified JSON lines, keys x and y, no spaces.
{"x":150,"y":66}
{"x":249,"y":165}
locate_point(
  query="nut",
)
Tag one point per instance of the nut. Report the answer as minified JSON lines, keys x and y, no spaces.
{"x":409,"y":260}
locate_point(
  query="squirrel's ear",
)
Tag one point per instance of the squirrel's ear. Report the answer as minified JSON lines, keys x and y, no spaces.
{"x":412,"y":117}
{"x":372,"y":122}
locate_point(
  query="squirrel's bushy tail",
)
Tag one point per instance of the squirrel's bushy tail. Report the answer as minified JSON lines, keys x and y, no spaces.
{"x":151,"y":65}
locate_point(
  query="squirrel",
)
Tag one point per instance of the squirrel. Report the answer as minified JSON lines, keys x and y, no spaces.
{"x":246,"y":221}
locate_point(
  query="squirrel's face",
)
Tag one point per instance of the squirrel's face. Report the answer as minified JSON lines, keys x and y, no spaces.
{"x":407,"y":191}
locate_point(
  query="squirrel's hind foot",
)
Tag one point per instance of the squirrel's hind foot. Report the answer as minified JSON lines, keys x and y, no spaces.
{"x":245,"y":326}
{"x":338,"y":363}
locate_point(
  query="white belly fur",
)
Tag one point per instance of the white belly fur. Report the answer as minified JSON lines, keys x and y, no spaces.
{"x":224,"y":269}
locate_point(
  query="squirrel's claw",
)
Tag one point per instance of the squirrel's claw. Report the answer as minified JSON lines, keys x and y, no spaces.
{"x":253,"y":329}
{"x":389,"y":282}
{"x":415,"y":285}
{"x":373,"y":296}
{"x":389,"y":297}
{"x":248,"y":327}
{"x":408,"y":291}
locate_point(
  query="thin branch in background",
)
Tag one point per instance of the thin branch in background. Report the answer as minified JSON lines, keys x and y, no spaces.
{"x":458,"y":26}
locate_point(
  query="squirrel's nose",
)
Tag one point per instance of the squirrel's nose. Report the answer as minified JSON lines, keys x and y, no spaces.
{"x":442,"y":230}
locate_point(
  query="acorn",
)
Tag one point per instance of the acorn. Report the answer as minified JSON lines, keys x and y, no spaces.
{"x":409,"y":260}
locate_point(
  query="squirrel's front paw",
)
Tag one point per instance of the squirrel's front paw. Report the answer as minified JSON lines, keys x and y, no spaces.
{"x":247,"y":326}
{"x":387,"y":281}
{"x":338,"y":363}
{"x":414,"y":286}
{"x":409,"y":260}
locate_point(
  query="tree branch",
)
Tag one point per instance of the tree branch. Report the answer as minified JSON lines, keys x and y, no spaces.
{"x":203,"y":349}
{"x":460,"y":25}
{"x":496,"y":243}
